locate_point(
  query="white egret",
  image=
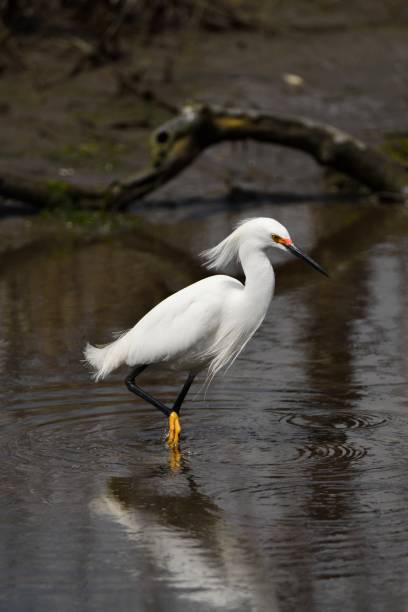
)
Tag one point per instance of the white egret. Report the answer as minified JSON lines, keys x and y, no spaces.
{"x":207,"y":324}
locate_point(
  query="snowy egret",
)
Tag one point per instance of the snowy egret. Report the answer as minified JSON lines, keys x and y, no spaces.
{"x":205,"y":325}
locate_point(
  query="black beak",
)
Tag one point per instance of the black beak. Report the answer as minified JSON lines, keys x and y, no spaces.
{"x":298,"y":253}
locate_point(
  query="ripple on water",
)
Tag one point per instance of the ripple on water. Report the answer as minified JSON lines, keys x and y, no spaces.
{"x":343,"y":439}
{"x":338,"y":421}
{"x":106,"y":432}
{"x":338,"y":451}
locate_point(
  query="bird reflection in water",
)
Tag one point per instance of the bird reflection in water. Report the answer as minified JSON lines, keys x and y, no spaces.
{"x":175,"y":459}
{"x":185,"y":536}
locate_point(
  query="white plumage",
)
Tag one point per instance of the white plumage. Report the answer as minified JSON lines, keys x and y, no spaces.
{"x":206,"y":324}
{"x":178,"y":332}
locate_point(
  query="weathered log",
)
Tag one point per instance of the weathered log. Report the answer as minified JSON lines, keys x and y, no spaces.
{"x":328,"y":145}
{"x":47,"y":193}
{"x":179,"y":141}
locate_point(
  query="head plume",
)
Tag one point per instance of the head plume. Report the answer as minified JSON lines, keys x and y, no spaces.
{"x":258,"y":230}
{"x":224,"y":254}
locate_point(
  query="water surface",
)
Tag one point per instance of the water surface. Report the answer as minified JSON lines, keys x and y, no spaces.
{"x":290,"y":492}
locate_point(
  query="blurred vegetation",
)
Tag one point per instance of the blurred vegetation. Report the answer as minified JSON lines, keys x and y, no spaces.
{"x":104,"y":30}
{"x":112,"y":18}
{"x":109,"y":17}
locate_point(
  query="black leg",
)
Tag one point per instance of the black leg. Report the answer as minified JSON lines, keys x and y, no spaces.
{"x":133,"y":387}
{"x":181,"y":396}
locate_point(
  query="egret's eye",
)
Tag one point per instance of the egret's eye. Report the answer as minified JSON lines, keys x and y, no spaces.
{"x":280,"y":240}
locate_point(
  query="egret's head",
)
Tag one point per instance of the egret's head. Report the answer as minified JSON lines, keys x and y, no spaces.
{"x":260,"y":233}
{"x":266,"y":232}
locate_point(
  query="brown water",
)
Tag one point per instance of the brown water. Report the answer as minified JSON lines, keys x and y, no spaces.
{"x":291,"y":491}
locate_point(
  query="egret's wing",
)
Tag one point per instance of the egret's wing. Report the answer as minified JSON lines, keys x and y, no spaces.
{"x":183,"y":325}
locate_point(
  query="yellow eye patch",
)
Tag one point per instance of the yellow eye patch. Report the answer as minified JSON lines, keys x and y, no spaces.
{"x":280,"y":240}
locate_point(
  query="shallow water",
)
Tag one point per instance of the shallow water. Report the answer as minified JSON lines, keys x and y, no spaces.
{"x":291,"y":490}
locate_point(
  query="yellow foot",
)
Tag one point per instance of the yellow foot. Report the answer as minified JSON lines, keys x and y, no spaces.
{"x":173,"y":436}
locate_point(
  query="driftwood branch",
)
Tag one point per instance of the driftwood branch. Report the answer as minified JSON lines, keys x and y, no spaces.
{"x":329,"y":146}
{"x":47,"y":193}
{"x":179,"y":141}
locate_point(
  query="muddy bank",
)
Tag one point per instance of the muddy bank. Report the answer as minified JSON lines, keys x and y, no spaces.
{"x":89,"y":130}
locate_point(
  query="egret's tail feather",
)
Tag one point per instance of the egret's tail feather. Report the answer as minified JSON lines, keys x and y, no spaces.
{"x":107,"y":358}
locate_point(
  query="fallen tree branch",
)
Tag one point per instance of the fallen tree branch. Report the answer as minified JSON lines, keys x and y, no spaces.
{"x":47,"y":193}
{"x":179,"y":141}
{"x":326,"y":144}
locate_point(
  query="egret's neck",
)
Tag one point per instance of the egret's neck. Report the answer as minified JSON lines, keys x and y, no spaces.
{"x":259,"y":277}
